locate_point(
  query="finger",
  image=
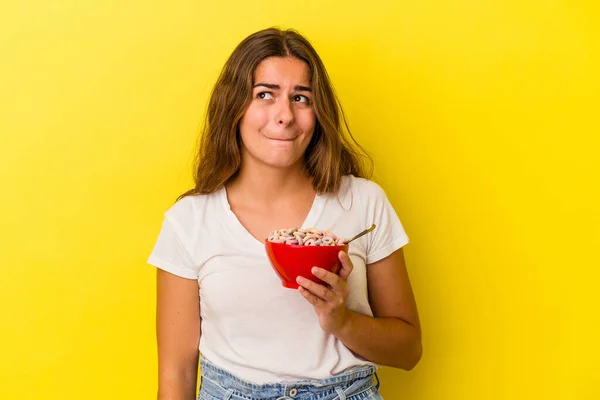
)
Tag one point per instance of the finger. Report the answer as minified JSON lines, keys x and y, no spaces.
{"x":318,"y":290}
{"x":330,"y":278}
{"x":347,"y":266}
{"x":311,"y":298}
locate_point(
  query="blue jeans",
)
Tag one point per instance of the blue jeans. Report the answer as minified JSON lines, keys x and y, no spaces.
{"x":356,"y":384}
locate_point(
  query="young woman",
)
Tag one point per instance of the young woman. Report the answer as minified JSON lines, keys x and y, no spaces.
{"x":276,"y":153}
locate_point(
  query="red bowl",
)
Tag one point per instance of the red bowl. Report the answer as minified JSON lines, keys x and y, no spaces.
{"x":290,"y":261}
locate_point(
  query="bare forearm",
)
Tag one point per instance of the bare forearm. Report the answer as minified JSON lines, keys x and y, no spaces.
{"x":178,"y":385}
{"x":182,"y":389}
{"x":178,"y":332}
{"x":385,"y":341}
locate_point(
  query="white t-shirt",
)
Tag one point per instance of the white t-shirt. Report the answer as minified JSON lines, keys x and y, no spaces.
{"x":252,"y":326}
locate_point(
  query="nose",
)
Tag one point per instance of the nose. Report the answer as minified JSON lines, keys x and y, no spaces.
{"x":284,"y":115}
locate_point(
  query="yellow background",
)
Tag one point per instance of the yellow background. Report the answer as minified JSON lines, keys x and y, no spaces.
{"x":482,"y":117}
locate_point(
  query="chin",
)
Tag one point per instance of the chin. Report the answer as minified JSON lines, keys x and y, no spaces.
{"x":284,"y":163}
{"x":276,"y":159}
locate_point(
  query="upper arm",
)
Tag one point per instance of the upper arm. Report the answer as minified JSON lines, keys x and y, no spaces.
{"x":390,"y":291}
{"x":177,"y":325}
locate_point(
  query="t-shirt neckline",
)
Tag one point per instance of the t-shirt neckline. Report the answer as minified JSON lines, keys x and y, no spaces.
{"x":253,"y":243}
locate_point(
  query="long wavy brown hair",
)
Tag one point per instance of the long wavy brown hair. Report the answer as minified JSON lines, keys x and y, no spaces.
{"x":332,"y":153}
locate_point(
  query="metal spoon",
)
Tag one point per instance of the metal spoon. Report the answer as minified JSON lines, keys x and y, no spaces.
{"x":361,"y":234}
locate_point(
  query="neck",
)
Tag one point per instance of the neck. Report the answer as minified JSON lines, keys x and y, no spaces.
{"x":263,"y":183}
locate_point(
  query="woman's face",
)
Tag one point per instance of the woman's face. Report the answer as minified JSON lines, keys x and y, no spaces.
{"x":279,"y":122}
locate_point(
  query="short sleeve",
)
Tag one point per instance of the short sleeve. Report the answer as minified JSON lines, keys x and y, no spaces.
{"x":170,"y":253}
{"x":389,"y":235}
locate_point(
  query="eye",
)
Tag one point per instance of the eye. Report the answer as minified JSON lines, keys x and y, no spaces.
{"x":265,"y":95}
{"x":299,"y":98}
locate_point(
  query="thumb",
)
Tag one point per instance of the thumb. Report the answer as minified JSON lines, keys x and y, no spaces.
{"x":346,"y":265}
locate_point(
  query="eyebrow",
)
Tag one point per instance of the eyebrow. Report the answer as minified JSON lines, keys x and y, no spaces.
{"x":298,"y":88}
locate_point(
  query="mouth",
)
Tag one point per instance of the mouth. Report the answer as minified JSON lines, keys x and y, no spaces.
{"x":281,"y":139}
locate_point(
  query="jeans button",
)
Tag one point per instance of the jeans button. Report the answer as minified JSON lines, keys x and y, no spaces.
{"x":293,"y":392}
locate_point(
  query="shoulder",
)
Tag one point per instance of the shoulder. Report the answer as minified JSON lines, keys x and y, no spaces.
{"x":184,"y":207}
{"x":366,"y":189}
{"x":181,"y":208}
{"x":191,"y":208}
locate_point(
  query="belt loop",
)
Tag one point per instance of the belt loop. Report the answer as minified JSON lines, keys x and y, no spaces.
{"x":378,"y":382}
{"x":340,"y":393}
{"x":228,"y":394}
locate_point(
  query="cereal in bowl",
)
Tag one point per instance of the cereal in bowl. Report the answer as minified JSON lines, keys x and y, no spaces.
{"x":305,"y":237}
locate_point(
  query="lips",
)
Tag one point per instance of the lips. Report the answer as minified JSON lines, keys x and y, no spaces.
{"x":281,"y":139}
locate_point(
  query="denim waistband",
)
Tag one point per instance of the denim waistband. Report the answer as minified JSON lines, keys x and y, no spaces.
{"x":217,"y":383}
